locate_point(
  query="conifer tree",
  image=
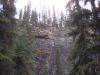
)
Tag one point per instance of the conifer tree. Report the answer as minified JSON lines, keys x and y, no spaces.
{"x":7,"y":27}
{"x":54,"y":22}
{"x":85,"y":56}
{"x":34,"y":18}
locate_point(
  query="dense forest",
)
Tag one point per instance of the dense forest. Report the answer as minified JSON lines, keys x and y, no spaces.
{"x":45,"y":44}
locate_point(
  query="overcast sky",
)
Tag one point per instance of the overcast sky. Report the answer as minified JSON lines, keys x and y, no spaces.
{"x":59,"y":5}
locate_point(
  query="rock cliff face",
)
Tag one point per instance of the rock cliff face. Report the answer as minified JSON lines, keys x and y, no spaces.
{"x":56,"y":41}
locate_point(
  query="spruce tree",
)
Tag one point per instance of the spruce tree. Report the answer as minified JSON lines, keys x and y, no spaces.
{"x":25,"y":44}
{"x":85,"y":55}
{"x":54,"y":22}
{"x":7,"y":27}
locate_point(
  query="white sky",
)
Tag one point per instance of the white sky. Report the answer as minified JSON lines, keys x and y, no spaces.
{"x":59,"y":5}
